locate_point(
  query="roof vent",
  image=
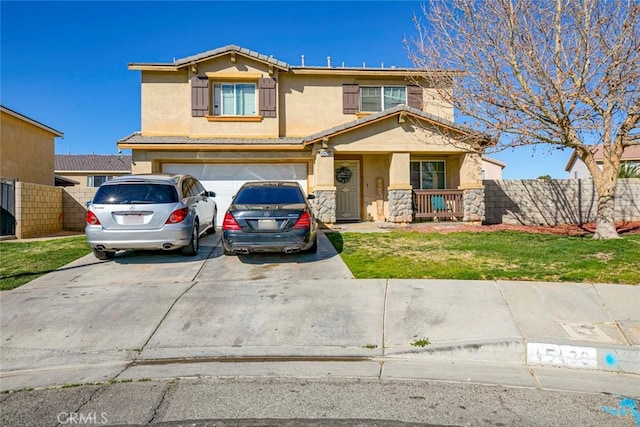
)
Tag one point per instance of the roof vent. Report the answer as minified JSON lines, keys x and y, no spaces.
{"x":328,"y":62}
{"x":302,"y":60}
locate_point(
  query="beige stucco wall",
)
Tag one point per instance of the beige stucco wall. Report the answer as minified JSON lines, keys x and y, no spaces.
{"x":312,"y":103}
{"x":26,"y":151}
{"x":166,"y":102}
{"x":491,"y":170}
{"x":307,"y":103}
{"x":387,"y":136}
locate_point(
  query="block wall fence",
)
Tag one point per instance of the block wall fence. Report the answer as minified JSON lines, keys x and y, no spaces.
{"x":38,"y":210}
{"x":555,"y":201}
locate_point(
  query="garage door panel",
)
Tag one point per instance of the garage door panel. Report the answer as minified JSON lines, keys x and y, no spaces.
{"x":226,"y":179}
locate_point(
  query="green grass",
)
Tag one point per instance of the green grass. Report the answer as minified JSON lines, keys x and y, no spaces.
{"x":490,"y":256}
{"x":21,"y":262}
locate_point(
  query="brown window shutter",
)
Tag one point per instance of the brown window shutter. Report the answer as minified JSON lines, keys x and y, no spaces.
{"x":199,"y":96}
{"x":350,"y":99}
{"x":414,"y":97}
{"x":267,"y":97}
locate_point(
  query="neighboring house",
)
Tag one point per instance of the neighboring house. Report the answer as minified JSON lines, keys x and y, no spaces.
{"x":26,"y":148}
{"x":367,"y":142}
{"x":91,"y":170}
{"x":578,"y":169}
{"x":492,"y":168}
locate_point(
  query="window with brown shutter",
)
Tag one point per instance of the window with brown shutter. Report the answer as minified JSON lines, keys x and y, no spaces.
{"x":414,"y":97}
{"x":267,"y":97}
{"x":199,"y":96}
{"x":350,"y":99}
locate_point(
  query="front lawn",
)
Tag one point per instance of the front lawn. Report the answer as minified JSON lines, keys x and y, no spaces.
{"x":496,"y":255}
{"x":21,"y":262}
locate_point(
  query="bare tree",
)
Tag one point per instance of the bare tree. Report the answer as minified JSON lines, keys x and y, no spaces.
{"x":561,"y":73}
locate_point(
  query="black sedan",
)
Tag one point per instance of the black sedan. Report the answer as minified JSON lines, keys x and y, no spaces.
{"x":269,"y":216}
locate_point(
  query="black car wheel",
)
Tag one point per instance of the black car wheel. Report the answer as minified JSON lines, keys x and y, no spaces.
{"x":103,"y":255}
{"x":194,"y":244}
{"x":212,"y":229}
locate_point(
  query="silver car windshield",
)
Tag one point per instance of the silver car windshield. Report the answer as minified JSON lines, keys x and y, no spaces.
{"x":145,"y":193}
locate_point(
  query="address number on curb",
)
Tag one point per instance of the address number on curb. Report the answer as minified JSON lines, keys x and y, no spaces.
{"x":562,"y":355}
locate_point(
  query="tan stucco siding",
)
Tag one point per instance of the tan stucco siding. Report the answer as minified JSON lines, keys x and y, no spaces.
{"x":26,"y":151}
{"x":310,"y":104}
{"x":434,"y":104}
{"x":166,"y":103}
{"x":374,"y":193}
{"x":387,"y":136}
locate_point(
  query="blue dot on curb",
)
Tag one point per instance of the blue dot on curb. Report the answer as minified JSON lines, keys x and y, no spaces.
{"x":610,"y":359}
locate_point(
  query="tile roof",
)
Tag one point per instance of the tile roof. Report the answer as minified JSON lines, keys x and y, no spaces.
{"x":93,"y":162}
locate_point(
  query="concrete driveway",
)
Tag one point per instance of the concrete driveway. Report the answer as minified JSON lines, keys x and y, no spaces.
{"x":160,"y":315}
{"x":87,"y":321}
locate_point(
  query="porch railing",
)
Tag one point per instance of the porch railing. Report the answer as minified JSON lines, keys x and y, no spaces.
{"x":438,"y":204}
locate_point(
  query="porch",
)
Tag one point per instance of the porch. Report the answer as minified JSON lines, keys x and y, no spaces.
{"x":436,"y":204}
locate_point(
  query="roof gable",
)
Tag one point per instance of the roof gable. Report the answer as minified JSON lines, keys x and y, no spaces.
{"x":30,"y":121}
{"x":400,"y":110}
{"x":208,"y":55}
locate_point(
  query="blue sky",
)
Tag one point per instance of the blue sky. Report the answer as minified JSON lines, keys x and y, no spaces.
{"x":65,"y":63}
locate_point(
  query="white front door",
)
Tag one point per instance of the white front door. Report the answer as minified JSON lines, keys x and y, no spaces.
{"x":347,"y":180}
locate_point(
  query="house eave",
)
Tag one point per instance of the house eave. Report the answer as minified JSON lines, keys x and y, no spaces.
{"x":209,"y":147}
{"x":31,"y":121}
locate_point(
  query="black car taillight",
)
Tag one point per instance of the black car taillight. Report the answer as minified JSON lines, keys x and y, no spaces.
{"x":230,"y":223}
{"x":303,"y":222}
{"x":177,"y":216}
{"x":92,"y":219}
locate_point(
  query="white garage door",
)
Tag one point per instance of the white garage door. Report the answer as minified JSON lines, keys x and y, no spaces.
{"x":226,"y":179}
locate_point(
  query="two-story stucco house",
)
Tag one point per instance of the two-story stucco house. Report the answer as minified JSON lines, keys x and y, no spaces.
{"x":26,"y":148}
{"x":368,"y":142}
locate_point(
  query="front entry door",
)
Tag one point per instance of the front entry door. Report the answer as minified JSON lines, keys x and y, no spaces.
{"x":347,"y":180}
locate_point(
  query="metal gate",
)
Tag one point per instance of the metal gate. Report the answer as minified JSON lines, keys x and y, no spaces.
{"x":8,"y":204}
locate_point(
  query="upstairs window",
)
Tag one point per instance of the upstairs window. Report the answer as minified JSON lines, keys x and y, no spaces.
{"x":428,"y":175}
{"x":234,"y":99}
{"x":378,"y":98}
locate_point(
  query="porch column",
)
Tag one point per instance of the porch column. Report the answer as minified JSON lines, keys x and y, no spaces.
{"x":325,"y":189}
{"x":472,"y":187}
{"x":399,"y":190}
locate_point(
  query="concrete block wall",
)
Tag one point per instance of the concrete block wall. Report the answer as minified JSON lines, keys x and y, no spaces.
{"x":38,"y":210}
{"x":74,"y":203}
{"x":553,"y":202}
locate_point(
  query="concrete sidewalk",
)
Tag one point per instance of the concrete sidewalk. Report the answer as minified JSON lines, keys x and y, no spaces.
{"x":145,"y":316}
